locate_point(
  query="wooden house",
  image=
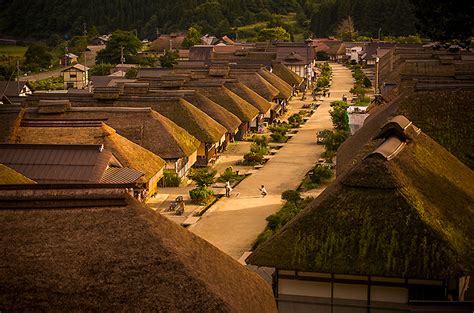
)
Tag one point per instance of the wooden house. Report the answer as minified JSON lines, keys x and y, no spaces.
{"x":127,"y":153}
{"x":65,"y":163}
{"x":143,"y":126}
{"x":98,"y":249}
{"x":76,"y":77}
{"x":68,"y":59}
{"x":392,"y":234}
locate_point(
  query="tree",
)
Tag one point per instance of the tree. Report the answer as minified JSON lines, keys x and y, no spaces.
{"x":169,"y":58}
{"x":203,"y":177}
{"x":38,"y":56}
{"x":54,"y":41}
{"x":119,"y":39}
{"x":445,"y":20}
{"x":339,"y":117}
{"x":346,"y":29}
{"x":102,"y":69}
{"x":193,"y":37}
{"x":275,"y":33}
{"x":78,"y":44}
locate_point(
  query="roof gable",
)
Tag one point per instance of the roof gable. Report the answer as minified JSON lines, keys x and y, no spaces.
{"x":409,"y":216}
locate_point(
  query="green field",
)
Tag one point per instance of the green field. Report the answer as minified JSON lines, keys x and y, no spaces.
{"x":13,"y":51}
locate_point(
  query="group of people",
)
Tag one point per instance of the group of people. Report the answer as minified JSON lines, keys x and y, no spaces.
{"x":228,"y":190}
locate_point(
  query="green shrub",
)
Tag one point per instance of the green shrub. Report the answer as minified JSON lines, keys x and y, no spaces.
{"x":295,"y":120}
{"x":367,"y":82}
{"x":203,"y":177}
{"x":230,"y":176}
{"x":201,"y":195}
{"x":253,"y":159}
{"x":279,"y":137}
{"x":321,"y":174}
{"x":171,"y":179}
{"x":291,"y":196}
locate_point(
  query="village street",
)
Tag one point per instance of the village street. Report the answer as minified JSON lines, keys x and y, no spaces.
{"x":233,"y":224}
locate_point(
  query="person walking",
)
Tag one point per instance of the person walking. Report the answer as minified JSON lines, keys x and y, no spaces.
{"x":263,"y":191}
{"x":329,"y":94}
{"x":228,"y":189}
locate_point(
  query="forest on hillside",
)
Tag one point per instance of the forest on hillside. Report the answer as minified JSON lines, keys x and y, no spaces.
{"x":39,"y":19}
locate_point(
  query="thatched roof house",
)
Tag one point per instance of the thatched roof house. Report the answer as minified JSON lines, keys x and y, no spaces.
{"x":143,"y":126}
{"x":290,"y":77}
{"x":250,"y":96}
{"x":114,"y":254}
{"x":129,"y":154}
{"x":9,"y":176}
{"x":195,"y":121}
{"x":230,"y":101}
{"x":403,"y":213}
{"x":65,"y":163}
{"x":214,"y":110}
{"x":285,"y":90}
{"x":257,"y":83}
{"x":442,"y":114}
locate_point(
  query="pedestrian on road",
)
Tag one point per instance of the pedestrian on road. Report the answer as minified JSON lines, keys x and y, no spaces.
{"x":329,"y":94}
{"x":228,"y":189}
{"x":263,"y":191}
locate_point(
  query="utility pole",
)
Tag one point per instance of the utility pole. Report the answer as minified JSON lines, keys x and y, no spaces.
{"x":122,"y":58}
{"x":377,"y":92}
{"x":85,"y":52}
{"x":18,"y":76}
{"x":380,"y":29}
{"x":157,"y":33}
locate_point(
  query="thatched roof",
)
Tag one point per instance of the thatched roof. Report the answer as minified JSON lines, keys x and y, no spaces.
{"x":143,"y":126}
{"x":195,"y":121}
{"x":231,"y":102}
{"x":285,"y":90}
{"x":290,"y":77}
{"x":10,"y":118}
{"x":218,"y":113}
{"x":260,"y":103}
{"x":118,"y":258}
{"x":410,"y":216}
{"x":129,"y":154}
{"x":9,"y":176}
{"x":443,"y":115}
{"x":257,"y":83}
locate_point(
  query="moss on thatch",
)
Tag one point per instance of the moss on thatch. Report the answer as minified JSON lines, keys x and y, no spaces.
{"x":257,"y":83}
{"x":217,"y":112}
{"x":9,"y":176}
{"x":127,"y":152}
{"x":260,"y":103}
{"x":285,"y":90}
{"x":442,"y":115}
{"x":187,"y":116}
{"x":290,"y":77}
{"x":118,"y":258}
{"x":146,"y":128}
{"x":417,"y":223}
{"x":231,"y":102}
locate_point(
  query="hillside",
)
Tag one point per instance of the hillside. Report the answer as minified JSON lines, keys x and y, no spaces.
{"x":32,"y":19}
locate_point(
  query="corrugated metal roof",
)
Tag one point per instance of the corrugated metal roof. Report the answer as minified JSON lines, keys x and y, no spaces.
{"x":57,"y":163}
{"x":120,"y":175}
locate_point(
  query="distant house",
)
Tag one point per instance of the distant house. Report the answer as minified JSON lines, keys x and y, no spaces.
{"x":172,"y":41}
{"x":68,"y":59}
{"x":392,"y":234}
{"x":101,"y":40}
{"x":76,"y":77}
{"x":298,"y":57}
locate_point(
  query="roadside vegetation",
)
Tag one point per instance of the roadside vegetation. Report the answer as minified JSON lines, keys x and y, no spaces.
{"x":361,"y":85}
{"x":293,"y":205}
{"x":203,"y":178}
